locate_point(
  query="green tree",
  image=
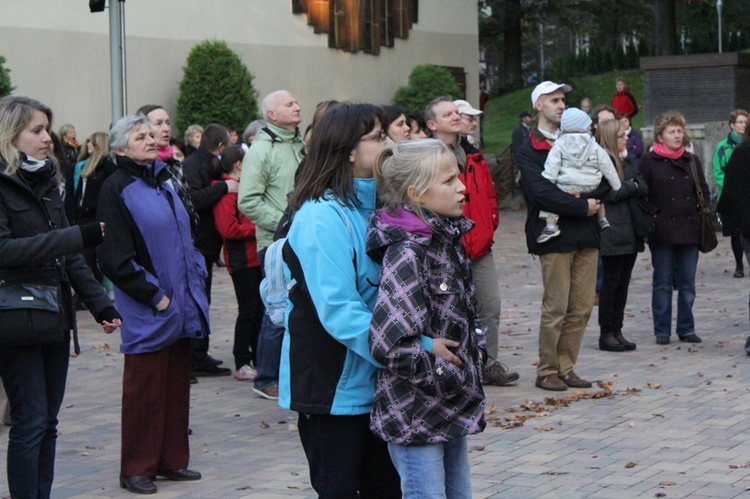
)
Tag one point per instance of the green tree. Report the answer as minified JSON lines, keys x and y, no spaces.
{"x":5,"y":87}
{"x":216,"y":88}
{"x":426,"y":82}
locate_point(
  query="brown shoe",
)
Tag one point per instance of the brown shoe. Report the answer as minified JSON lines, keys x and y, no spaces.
{"x":551,"y":382}
{"x":572,"y":380}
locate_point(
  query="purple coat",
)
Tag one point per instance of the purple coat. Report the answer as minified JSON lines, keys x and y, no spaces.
{"x":426,"y":291}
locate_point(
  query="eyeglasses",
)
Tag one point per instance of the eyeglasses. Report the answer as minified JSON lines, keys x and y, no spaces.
{"x":379,"y":137}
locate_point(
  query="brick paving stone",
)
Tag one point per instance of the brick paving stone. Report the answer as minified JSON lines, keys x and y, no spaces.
{"x":688,"y":430}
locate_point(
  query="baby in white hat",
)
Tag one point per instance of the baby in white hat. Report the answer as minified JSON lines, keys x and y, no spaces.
{"x":576,"y":164}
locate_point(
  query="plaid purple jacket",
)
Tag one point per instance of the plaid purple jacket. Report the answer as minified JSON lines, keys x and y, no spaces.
{"x":426,"y":291}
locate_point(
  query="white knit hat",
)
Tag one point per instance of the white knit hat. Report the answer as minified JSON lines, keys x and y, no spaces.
{"x":574,"y":119}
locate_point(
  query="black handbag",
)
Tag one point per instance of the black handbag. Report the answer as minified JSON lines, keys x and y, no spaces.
{"x":30,"y":310}
{"x":709,"y":240}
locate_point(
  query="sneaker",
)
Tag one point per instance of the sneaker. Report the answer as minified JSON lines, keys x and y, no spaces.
{"x":245,"y":373}
{"x":212,"y":371}
{"x":572,"y":380}
{"x":499,"y":374}
{"x":270,"y":392}
{"x":551,"y":382}
{"x":604,"y":224}
{"x":548,"y":234}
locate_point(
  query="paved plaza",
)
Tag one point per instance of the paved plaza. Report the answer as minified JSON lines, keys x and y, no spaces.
{"x":667,"y":421}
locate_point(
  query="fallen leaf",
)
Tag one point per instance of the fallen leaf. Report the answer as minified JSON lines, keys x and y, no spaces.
{"x":630,"y":465}
{"x":85,"y":454}
{"x":667,"y":483}
{"x":264,"y":425}
{"x":543,"y":428}
{"x":654,"y":386}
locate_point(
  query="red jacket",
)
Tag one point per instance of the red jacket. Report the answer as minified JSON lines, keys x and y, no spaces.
{"x":237,"y":231}
{"x":624,"y":102}
{"x":481,"y":202}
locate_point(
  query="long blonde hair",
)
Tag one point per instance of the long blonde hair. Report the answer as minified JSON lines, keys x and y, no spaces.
{"x":15,"y":113}
{"x":606,"y":136}
{"x":100,"y":140}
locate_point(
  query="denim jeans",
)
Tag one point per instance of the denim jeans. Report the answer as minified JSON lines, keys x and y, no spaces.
{"x":34,"y":379}
{"x":346,"y":459}
{"x":434,"y":471}
{"x":680,"y":261}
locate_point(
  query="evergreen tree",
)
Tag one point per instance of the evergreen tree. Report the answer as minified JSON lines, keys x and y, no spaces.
{"x":426,"y":82}
{"x":216,"y":88}
{"x":5,"y":87}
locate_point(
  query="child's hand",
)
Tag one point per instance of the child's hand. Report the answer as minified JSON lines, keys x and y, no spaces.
{"x":440,"y":347}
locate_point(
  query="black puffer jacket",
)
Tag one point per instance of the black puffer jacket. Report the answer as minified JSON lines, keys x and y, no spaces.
{"x":31,"y":239}
{"x":620,"y":238}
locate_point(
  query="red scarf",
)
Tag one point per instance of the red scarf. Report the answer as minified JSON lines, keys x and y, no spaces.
{"x":667,"y":153}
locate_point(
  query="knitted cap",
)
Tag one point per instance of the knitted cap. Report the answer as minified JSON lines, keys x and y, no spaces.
{"x":574,"y":119}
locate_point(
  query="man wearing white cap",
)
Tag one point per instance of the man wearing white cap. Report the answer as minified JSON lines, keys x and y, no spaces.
{"x":449,"y":120}
{"x":569,"y":261}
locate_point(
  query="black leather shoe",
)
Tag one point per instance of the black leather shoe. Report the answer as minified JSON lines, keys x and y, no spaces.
{"x":739,"y":273}
{"x":140,"y":484}
{"x":662,"y":339}
{"x":691,"y":338}
{"x":179,"y":475}
{"x":614,"y":346}
{"x":627,"y":344}
{"x":212,"y":371}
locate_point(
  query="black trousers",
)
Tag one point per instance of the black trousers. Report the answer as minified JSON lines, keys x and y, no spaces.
{"x":199,"y":359}
{"x":247,"y":326}
{"x":346,"y":460}
{"x":613,"y":295}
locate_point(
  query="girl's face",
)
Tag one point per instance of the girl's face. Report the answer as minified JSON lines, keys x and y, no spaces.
{"x":622,"y":140}
{"x":416,"y":131}
{"x":625,"y":122}
{"x":178,"y":154}
{"x":672,"y":136}
{"x":34,"y":141}
{"x":399,"y":130}
{"x":445,"y":196}
{"x":90,"y":147}
{"x":161,"y":127}
{"x":363,"y":156}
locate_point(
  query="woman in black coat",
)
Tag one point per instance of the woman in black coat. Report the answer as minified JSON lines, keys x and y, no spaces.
{"x":734,"y":203}
{"x":619,"y":244}
{"x":668,"y":172}
{"x":36,"y":239}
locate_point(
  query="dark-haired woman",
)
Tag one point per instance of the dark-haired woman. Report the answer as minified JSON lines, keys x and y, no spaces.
{"x":327,"y":373}
{"x":241,"y":257}
{"x":396,"y":125}
{"x":35,"y":238}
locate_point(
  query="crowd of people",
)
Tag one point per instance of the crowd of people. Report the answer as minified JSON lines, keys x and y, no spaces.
{"x":391,"y":326}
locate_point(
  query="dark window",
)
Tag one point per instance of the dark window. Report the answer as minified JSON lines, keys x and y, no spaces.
{"x":355,"y":25}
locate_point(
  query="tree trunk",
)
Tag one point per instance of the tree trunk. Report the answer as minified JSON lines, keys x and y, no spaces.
{"x":513,"y":49}
{"x":665,"y":25}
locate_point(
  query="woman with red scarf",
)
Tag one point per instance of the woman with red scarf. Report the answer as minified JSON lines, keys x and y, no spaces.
{"x":669,"y":171}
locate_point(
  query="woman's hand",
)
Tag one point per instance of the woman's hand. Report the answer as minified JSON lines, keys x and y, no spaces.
{"x":111,"y":326}
{"x":163,"y":304}
{"x":440,"y":347}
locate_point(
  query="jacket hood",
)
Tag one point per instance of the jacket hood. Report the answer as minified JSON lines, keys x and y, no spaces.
{"x":578,"y":145}
{"x":386,"y":229}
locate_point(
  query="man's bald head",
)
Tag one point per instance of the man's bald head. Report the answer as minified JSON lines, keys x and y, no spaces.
{"x":281,"y":109}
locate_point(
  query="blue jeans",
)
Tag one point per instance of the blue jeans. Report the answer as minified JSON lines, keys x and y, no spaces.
{"x":34,"y":379}
{"x":433,"y":471}
{"x":270,"y":337}
{"x":680,"y":261}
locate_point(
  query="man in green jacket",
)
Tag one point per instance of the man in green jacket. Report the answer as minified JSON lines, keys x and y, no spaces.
{"x":737,"y":123}
{"x":267,"y":177}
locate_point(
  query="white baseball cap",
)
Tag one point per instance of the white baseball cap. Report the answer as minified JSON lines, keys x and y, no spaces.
{"x":547,"y":87}
{"x":465,"y":108}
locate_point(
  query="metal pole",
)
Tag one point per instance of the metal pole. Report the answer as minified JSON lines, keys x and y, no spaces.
{"x":117,"y":59}
{"x":719,"y":4}
{"x":121,"y":3}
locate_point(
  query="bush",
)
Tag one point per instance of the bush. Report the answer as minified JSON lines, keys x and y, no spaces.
{"x":5,"y":86}
{"x":216,"y":88}
{"x":426,"y":82}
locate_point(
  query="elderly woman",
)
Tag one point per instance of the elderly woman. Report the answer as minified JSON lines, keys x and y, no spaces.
{"x":669,"y":171}
{"x":159,"y":280}
{"x":193,"y":136}
{"x":36,"y":241}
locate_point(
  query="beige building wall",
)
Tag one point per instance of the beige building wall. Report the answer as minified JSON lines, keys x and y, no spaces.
{"x":58,"y":52}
